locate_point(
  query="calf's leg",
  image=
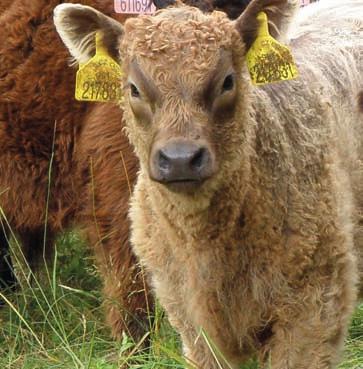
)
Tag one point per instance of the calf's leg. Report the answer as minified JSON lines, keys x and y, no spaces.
{"x":127,"y":299}
{"x":313,"y":337}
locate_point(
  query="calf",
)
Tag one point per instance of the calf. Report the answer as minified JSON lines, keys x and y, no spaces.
{"x":245,"y":212}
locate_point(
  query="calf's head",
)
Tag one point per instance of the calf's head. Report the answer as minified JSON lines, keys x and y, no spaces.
{"x":185,"y":85}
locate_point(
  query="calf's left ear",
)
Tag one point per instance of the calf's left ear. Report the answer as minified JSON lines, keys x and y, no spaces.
{"x":77,"y":26}
{"x":279,"y":14}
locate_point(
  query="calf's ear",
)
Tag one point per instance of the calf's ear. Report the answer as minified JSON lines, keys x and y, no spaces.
{"x":77,"y":26}
{"x":279,"y":13}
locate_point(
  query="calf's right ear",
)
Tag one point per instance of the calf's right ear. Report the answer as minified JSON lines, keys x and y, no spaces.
{"x":77,"y":26}
{"x":279,"y":12}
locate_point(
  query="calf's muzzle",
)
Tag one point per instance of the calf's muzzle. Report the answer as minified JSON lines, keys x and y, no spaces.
{"x":181,"y":163}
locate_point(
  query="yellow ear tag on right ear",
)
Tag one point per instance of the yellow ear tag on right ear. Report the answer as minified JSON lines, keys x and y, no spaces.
{"x":100,"y":78}
{"x":267,"y":60}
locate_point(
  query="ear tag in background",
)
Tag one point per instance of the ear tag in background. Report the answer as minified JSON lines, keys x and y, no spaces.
{"x":100,"y":78}
{"x":135,"y":6}
{"x":267,"y":60}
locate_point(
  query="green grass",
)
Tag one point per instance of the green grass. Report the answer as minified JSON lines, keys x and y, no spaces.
{"x":56,"y":321}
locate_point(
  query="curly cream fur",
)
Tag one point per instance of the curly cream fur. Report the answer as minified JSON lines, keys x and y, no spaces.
{"x":262,"y":257}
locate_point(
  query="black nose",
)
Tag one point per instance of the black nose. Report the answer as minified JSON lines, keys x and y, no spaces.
{"x":182,"y":162}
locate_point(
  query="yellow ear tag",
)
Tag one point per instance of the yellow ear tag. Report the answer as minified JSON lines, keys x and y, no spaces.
{"x":100,"y":78}
{"x":267,"y":60}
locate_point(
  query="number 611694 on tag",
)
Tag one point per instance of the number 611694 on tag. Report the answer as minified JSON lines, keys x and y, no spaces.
{"x":135,"y":6}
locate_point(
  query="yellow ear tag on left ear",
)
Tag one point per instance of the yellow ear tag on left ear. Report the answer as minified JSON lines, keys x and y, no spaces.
{"x":267,"y":60}
{"x":100,"y":78}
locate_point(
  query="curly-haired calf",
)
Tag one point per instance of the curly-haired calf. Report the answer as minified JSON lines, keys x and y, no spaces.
{"x":246,"y":204}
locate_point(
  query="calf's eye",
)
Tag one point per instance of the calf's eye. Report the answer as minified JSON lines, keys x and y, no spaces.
{"x":134,"y":91}
{"x":228,"y":83}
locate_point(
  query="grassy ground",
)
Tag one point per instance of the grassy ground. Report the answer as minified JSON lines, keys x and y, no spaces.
{"x":57,"y":323}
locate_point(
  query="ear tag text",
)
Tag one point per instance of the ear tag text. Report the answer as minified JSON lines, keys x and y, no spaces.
{"x":134,"y":6}
{"x":269,"y":61}
{"x":100,"y":78}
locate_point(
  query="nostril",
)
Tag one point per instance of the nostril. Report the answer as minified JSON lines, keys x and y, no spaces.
{"x":197,"y":160}
{"x":164,"y":162}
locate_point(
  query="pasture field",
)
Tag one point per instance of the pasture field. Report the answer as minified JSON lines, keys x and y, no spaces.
{"x":56,"y":322}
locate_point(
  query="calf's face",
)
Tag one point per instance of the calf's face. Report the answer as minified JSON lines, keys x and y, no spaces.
{"x":185,"y":87}
{"x":180,"y":94}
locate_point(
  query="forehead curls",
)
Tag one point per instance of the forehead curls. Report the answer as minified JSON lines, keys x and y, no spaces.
{"x":182,"y":34}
